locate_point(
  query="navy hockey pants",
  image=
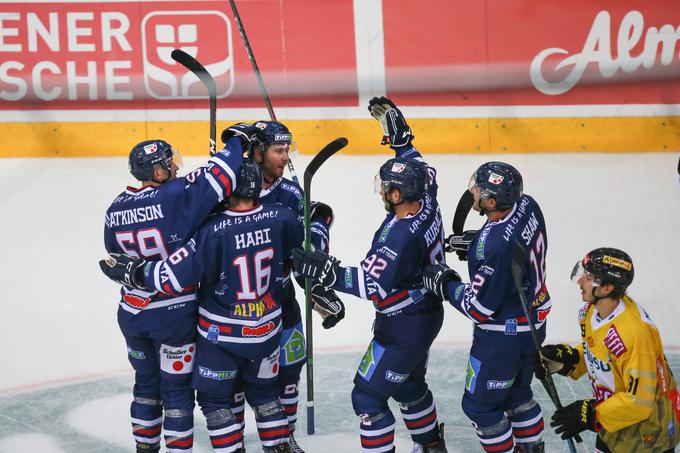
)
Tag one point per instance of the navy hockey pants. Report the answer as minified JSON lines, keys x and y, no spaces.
{"x":163,"y":361}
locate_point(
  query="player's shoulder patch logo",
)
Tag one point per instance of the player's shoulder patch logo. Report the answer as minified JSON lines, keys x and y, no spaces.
{"x":614,"y":342}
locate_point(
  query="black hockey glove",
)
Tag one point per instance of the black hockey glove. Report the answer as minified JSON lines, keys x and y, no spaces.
{"x":436,"y":278}
{"x":322,"y":211}
{"x":574,"y":418}
{"x":396,"y":132}
{"x":317,"y":265}
{"x":245,"y":131}
{"x":556,"y":358}
{"x":326,"y":303}
{"x":123,"y":269}
{"x":460,"y":243}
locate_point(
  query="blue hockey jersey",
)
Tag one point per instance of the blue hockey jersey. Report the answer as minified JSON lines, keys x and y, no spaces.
{"x":391,"y":274}
{"x":287,"y":193}
{"x":491,"y":299}
{"x":239,"y":260}
{"x":154,"y":221}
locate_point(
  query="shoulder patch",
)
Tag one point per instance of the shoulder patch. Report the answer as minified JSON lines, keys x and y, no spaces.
{"x":614,"y":342}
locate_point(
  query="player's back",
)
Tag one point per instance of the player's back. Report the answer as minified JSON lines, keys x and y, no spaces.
{"x":152,"y":222}
{"x":490,"y":258}
{"x":244,"y":257}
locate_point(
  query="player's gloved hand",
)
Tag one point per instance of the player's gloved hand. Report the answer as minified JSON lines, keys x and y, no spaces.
{"x":396,"y":132}
{"x":556,"y":358}
{"x":323,"y":211}
{"x":245,"y":131}
{"x":326,"y":303}
{"x":436,"y":278}
{"x":574,"y":418}
{"x":317,"y":265}
{"x":123,"y":269}
{"x":460,"y":243}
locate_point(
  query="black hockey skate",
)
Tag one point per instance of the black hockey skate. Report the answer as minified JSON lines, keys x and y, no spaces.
{"x":294,"y":447}
{"x":280,"y":448}
{"x":436,"y":446}
{"x":148,"y":448}
{"x":532,"y":447}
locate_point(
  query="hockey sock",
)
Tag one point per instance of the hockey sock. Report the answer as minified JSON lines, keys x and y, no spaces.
{"x":497,"y":438}
{"x":527,"y":423}
{"x":225,"y":433}
{"x":147,"y":418}
{"x":289,"y":400}
{"x":178,"y":430}
{"x":377,"y":432}
{"x":420,"y":417}
{"x":272,"y":424}
{"x":238,"y":405}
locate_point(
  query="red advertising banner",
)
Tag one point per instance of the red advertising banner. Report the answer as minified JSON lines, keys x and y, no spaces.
{"x":523,"y":52}
{"x":113,"y":55}
{"x":448,"y":53}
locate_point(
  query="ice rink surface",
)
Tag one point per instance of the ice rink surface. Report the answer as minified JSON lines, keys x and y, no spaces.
{"x":65,"y":380}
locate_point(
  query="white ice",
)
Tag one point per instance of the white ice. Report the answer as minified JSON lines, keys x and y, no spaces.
{"x":58,"y":321}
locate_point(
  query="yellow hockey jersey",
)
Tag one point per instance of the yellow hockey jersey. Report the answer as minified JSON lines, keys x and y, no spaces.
{"x":623,"y":356}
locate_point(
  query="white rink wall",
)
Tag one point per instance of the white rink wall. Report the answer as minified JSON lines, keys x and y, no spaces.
{"x":58,"y":321}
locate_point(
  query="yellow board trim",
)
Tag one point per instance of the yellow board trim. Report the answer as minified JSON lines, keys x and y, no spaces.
{"x":464,"y":136}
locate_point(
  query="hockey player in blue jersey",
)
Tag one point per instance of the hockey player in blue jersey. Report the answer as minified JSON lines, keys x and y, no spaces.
{"x":239,"y":258}
{"x":159,"y":329}
{"x":408,"y":318}
{"x":270,"y":148}
{"x":498,"y":397}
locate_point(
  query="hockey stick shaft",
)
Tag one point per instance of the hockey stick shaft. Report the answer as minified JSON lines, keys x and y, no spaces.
{"x":318,"y":160}
{"x":204,"y":76}
{"x":462,"y":209}
{"x":518,"y":260}
{"x":258,"y":75}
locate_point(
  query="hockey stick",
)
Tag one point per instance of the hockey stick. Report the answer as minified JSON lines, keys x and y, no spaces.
{"x":318,"y":160}
{"x":462,"y":209}
{"x":204,"y":76}
{"x":260,"y":81}
{"x":518,"y":259}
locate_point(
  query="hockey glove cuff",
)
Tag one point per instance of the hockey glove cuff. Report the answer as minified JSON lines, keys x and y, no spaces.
{"x":578,"y":416}
{"x":396,"y":131}
{"x":323,"y":211}
{"x":328,"y":305}
{"x":245,"y":131}
{"x":559,"y":358}
{"x":317,"y":265}
{"x":123,"y":269}
{"x":460,"y":243}
{"x":436,"y":278}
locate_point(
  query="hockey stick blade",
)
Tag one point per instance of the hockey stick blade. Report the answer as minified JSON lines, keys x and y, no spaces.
{"x":462,"y":209}
{"x":321,"y":157}
{"x":204,"y":76}
{"x":518,"y":272}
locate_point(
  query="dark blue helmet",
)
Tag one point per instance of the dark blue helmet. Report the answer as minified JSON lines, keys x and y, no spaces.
{"x":408,"y":175}
{"x":272,"y":132}
{"x":148,"y":153}
{"x":499,"y":181}
{"x":249,"y":180}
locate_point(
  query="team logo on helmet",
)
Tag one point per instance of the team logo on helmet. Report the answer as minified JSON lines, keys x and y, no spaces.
{"x":151,"y":148}
{"x":398,"y":167}
{"x":623,"y":264}
{"x":261,"y":125}
{"x":495,"y":178}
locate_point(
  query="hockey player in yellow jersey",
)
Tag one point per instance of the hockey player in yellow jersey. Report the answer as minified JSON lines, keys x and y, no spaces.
{"x":635,"y":404}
